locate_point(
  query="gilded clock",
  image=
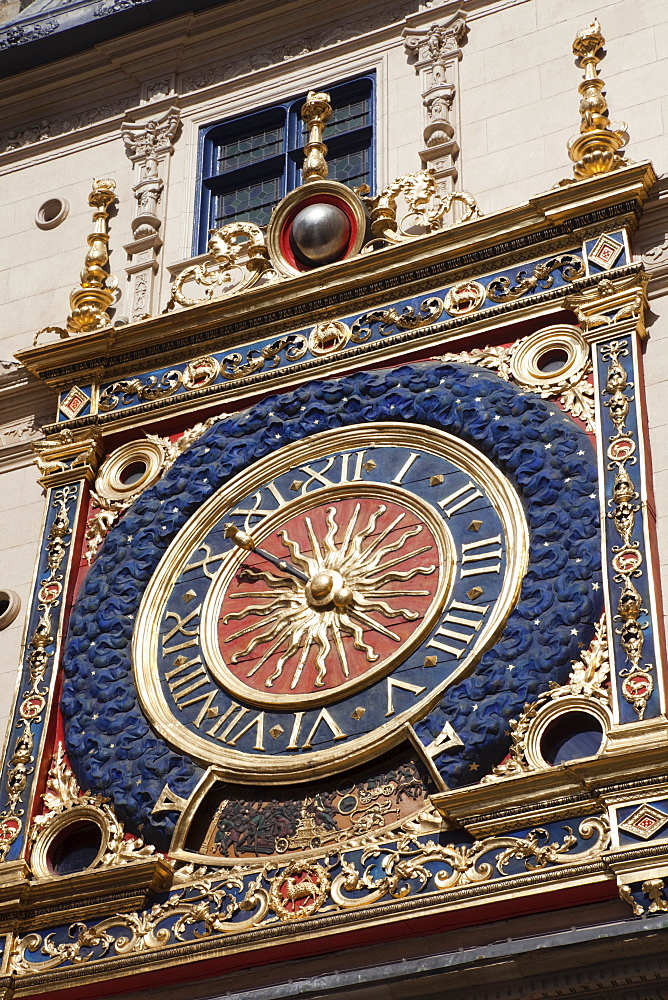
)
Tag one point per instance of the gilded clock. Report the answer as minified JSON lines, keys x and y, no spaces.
{"x":326,"y":597}
{"x":316,"y":577}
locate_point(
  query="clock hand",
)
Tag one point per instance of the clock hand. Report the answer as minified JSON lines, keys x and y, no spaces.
{"x":246,"y":541}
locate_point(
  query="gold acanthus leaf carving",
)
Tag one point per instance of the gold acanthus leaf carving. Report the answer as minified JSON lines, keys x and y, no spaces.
{"x":589,"y":678}
{"x":110,"y":509}
{"x":213,"y":904}
{"x":427,"y":208}
{"x":63,"y":794}
{"x":575,"y":393}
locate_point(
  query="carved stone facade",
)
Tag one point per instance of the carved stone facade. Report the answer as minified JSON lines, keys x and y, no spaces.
{"x":436,"y":53}
{"x":149,"y":145}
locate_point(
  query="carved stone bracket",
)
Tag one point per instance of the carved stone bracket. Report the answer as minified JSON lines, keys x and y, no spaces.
{"x":437,"y":53}
{"x":67,"y":457}
{"x":149,"y":145}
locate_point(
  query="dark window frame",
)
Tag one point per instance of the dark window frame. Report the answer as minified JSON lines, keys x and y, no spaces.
{"x":284,"y":166}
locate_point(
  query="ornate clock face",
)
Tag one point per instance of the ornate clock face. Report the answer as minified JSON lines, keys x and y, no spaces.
{"x":325,"y":598}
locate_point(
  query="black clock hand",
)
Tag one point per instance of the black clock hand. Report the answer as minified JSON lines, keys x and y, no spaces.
{"x":246,"y":541}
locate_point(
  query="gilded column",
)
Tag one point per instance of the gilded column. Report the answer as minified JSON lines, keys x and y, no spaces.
{"x":66,"y":463}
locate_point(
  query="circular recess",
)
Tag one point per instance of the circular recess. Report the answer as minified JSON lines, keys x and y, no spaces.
{"x":571,"y":736}
{"x":71,"y":841}
{"x":10,"y":605}
{"x":132,"y":473}
{"x":130,"y":469}
{"x":552,"y":361}
{"x":550,"y":356}
{"x":75,"y":848}
{"x":51,"y":213}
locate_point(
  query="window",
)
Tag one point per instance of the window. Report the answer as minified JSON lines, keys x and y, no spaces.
{"x":251,"y":162}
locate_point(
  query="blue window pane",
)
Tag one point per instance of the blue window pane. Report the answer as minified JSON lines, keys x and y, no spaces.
{"x":351,"y":168}
{"x":251,"y":203}
{"x":250,"y":163}
{"x":252,"y":149}
{"x":345,"y":118}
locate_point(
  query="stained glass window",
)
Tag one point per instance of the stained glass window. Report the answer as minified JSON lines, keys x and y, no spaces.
{"x":251,"y":162}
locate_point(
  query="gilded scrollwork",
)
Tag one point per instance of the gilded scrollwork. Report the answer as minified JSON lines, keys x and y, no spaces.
{"x":504,"y":289}
{"x":207,"y":903}
{"x":127,"y":390}
{"x":655,"y":891}
{"x":426,"y":208}
{"x":240,"y":260}
{"x":233,"y":366}
{"x":386,"y":321}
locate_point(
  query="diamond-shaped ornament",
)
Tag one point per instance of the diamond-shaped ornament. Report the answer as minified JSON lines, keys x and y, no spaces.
{"x":74,"y":402}
{"x":605,"y":252}
{"x":644,"y":822}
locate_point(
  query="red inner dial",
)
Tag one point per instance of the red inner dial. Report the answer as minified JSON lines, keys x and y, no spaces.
{"x":372,"y":569}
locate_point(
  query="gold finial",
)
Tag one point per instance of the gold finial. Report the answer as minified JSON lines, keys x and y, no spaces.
{"x":90,"y":301}
{"x":594,"y":151}
{"x":316,"y":112}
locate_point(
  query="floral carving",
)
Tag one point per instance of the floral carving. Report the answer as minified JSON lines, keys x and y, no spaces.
{"x":211,"y":904}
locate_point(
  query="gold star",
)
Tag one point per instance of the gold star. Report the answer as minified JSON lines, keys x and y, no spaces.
{"x":473,"y":767}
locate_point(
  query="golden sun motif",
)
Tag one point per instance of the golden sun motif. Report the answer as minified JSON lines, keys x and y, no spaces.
{"x":340,"y":589}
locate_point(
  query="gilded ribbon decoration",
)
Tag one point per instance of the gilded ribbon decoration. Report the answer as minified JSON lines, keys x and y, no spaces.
{"x":204,"y":903}
{"x":38,"y":660}
{"x":627,"y":560}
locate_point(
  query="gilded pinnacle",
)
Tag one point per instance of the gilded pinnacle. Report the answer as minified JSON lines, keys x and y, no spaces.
{"x":90,"y":301}
{"x":595,"y":149}
{"x":315,"y":113}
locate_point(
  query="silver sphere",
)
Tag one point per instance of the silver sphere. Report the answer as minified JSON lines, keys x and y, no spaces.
{"x":320,"y":233}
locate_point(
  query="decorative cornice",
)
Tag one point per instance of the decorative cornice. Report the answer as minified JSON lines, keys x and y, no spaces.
{"x":550,"y":218}
{"x":292,"y":50}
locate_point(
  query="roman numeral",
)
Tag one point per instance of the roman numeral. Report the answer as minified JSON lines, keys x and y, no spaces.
{"x":405,"y":467}
{"x":459,"y":499}
{"x":319,"y":477}
{"x":180,"y":629}
{"x":479,"y":552}
{"x":323,"y":718}
{"x":461,"y":637}
{"x":392,"y":685}
{"x":259,"y":509}
{"x":233,"y":716}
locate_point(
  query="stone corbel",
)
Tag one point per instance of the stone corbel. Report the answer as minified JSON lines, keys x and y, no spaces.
{"x":437,"y":52}
{"x":149,"y":145}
